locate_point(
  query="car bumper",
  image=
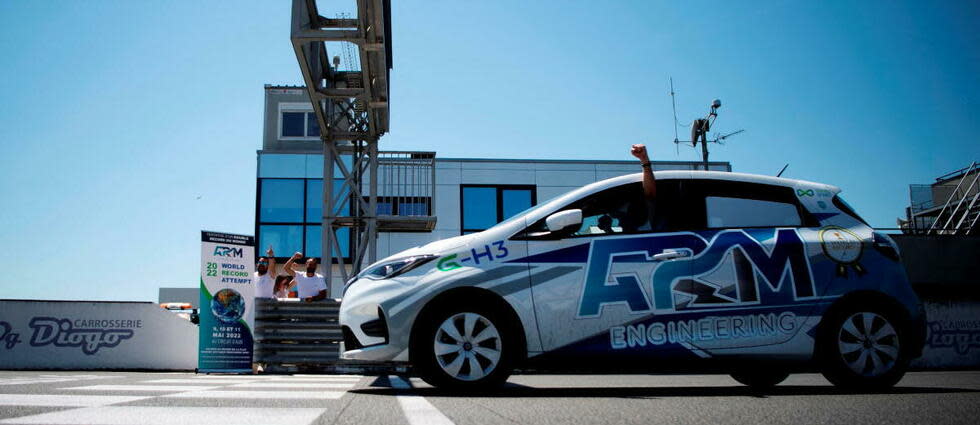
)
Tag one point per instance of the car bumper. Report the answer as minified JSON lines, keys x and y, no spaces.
{"x":364,"y":321}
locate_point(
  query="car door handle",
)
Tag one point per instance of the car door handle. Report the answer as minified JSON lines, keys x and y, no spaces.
{"x":670,"y":254}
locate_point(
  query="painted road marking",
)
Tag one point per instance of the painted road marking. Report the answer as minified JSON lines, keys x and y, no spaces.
{"x":186,"y":382}
{"x":161,"y":388}
{"x":232,"y":377}
{"x":294,"y":385}
{"x":417,"y":410}
{"x":47,"y":379}
{"x":113,"y":415}
{"x":319,"y":395}
{"x":64,"y":400}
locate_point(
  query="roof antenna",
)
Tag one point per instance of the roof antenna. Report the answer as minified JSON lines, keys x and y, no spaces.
{"x":781,"y":171}
{"x":674,"y":105}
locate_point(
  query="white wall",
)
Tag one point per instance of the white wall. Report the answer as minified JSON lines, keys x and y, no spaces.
{"x":94,"y":335}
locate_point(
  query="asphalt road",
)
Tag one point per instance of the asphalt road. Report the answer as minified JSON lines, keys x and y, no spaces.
{"x":182,"y":398}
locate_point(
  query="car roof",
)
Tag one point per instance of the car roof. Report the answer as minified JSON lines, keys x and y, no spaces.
{"x":715,"y":175}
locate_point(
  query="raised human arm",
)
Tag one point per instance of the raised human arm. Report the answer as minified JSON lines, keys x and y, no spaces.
{"x":649,"y":181}
{"x":289,"y":264}
{"x":271,"y":255}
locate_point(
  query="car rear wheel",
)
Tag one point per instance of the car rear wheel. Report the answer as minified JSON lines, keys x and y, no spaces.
{"x":862,"y":349}
{"x":466,"y":348}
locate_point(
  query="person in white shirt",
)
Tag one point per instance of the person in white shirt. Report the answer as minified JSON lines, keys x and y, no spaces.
{"x":264,"y":276}
{"x":310,"y":285}
{"x":264,"y":280}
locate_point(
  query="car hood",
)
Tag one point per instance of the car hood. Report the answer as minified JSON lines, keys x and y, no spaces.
{"x":434,"y":248}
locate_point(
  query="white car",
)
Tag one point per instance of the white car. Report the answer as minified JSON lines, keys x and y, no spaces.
{"x":750,"y":275}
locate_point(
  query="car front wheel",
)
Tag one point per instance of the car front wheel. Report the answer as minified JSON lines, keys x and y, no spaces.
{"x":862,"y":349}
{"x":466,"y":348}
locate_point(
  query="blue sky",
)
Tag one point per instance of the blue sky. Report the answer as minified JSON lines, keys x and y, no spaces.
{"x":127,"y":127}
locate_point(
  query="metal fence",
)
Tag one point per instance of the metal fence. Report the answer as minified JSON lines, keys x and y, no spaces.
{"x":406,"y":183}
{"x":292,"y":335}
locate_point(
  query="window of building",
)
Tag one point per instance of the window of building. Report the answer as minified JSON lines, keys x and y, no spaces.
{"x":297,"y":121}
{"x":482,"y":206}
{"x":284,"y":239}
{"x":281,"y":201}
{"x":290,"y":212}
{"x":404,"y":206}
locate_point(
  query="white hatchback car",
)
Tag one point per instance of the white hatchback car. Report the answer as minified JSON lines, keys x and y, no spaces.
{"x":750,"y":275}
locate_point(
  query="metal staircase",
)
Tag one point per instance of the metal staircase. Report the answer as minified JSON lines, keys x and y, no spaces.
{"x":961,"y":211}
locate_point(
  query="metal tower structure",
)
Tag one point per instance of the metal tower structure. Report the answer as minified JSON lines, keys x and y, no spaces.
{"x":352,"y":110}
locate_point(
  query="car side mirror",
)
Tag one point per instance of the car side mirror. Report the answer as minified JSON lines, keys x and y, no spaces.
{"x":564,"y":219}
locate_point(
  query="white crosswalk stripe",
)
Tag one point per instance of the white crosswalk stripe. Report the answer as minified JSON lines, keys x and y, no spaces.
{"x":64,"y":400}
{"x":292,"y":385}
{"x":160,"y":388}
{"x":272,"y":395}
{"x":47,"y":379}
{"x":105,"y":409}
{"x":111,"y":415}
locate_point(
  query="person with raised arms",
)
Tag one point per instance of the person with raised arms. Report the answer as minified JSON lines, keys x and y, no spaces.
{"x":310,"y":285}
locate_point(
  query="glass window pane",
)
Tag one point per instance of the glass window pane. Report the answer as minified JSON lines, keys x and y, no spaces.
{"x":479,"y":207}
{"x":739,"y":212}
{"x":285,"y":240}
{"x":314,"y":201}
{"x":282,"y":200}
{"x":314,"y":246}
{"x":314,"y":166}
{"x":312,"y":126}
{"x":413,"y":208}
{"x":384,"y":207}
{"x":282,"y":165}
{"x":515,"y":201}
{"x":292,"y":124}
{"x":343,"y":236}
{"x":340,"y":191}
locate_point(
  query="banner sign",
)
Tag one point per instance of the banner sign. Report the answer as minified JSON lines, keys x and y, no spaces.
{"x":953,"y":339}
{"x":227,"y":303}
{"x":94,"y":335}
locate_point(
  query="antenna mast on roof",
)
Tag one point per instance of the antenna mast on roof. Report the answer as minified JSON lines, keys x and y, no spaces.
{"x":700,"y":128}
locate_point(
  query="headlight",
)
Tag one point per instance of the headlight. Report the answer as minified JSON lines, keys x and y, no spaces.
{"x":394,"y":268}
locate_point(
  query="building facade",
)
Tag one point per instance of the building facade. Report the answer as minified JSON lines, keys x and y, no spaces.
{"x":448,"y":196}
{"x":948,"y":206}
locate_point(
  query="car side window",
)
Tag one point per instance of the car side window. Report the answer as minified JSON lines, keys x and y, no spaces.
{"x":624,"y":210}
{"x":733,"y":204}
{"x":725,"y":212}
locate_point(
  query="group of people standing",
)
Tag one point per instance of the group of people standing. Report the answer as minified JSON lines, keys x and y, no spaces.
{"x":300,"y":279}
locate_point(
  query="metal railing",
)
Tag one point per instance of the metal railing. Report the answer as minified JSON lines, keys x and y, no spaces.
{"x":406,"y":183}
{"x":295,"y":335}
{"x":955,"y":201}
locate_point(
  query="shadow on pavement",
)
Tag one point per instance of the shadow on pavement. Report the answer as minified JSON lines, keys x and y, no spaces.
{"x":511,"y":390}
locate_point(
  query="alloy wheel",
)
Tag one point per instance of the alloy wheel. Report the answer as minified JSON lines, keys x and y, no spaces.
{"x":868,"y":344}
{"x":467,"y":346}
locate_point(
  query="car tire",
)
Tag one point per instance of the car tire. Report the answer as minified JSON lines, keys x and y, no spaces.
{"x":864,"y":347}
{"x":760,"y":379}
{"x":470,"y":347}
